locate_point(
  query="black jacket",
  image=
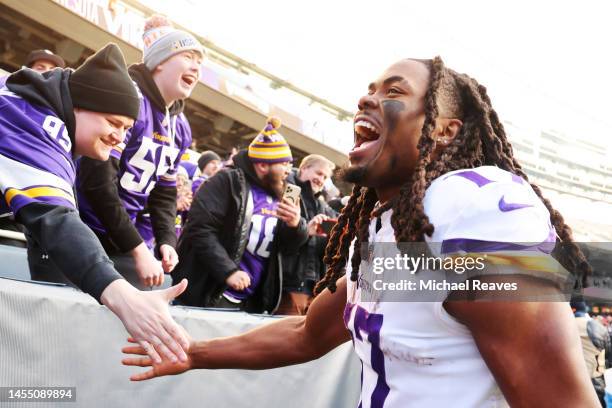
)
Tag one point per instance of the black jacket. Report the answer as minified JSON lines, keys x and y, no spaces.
{"x":301,"y":272}
{"x":214,"y":239}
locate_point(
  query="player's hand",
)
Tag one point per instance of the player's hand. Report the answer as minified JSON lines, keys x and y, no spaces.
{"x":289,"y":213}
{"x":239,"y":280}
{"x":148,"y":268}
{"x":169,"y":258}
{"x":146,"y":317}
{"x":166,"y":367}
{"x":315,"y":223}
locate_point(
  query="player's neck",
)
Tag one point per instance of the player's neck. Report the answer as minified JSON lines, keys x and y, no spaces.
{"x":387,"y":193}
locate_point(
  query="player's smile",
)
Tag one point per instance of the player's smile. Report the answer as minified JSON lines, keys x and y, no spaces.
{"x":367,"y":138}
{"x":387,"y":128}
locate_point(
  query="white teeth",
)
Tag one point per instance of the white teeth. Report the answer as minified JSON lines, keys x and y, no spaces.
{"x":365,"y":124}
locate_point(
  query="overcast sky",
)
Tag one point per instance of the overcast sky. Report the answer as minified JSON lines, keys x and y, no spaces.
{"x":546,"y":64}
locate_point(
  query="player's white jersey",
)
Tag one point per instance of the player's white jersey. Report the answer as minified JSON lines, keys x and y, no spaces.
{"x":414,"y":354}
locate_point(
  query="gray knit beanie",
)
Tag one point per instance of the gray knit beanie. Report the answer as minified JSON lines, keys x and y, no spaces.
{"x":162,"y":41}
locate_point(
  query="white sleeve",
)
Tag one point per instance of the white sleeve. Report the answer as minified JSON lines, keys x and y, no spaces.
{"x":490,"y":214}
{"x":486,"y":204}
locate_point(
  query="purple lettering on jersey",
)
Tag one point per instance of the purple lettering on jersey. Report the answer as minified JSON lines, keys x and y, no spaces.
{"x":474,"y":177}
{"x":505,"y":206}
{"x":263,"y":226}
{"x":371,"y":324}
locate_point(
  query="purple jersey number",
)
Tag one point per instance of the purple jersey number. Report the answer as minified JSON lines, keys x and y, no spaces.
{"x":370,"y":324}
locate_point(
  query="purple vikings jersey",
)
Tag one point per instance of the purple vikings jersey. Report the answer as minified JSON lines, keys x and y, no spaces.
{"x":149,"y":156}
{"x":143,"y":221}
{"x":35,"y":156}
{"x":145,"y":229}
{"x":263,"y":226}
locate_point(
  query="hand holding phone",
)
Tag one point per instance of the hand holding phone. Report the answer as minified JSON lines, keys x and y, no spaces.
{"x":288,"y":209}
{"x":292,"y":193}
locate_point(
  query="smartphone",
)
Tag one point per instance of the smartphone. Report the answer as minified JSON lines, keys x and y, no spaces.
{"x":326,"y":226}
{"x":292,"y":193}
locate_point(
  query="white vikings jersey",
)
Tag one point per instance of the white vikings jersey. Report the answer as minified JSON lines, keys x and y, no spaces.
{"x":414,"y":354}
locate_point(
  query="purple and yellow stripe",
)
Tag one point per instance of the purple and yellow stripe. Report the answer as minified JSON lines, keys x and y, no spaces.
{"x":269,"y":146}
{"x":17,"y":198}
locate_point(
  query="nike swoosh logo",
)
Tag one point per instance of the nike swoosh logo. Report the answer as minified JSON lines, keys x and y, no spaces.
{"x":472,"y":176}
{"x":506,"y":207}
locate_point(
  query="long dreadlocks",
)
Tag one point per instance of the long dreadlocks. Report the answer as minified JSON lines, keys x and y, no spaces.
{"x":481,"y":141}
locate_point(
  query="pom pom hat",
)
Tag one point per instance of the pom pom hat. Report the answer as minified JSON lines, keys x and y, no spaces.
{"x":269,"y":146}
{"x":162,"y":41}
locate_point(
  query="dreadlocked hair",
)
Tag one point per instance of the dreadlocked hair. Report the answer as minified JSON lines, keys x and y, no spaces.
{"x":368,"y":201}
{"x":481,"y":140}
{"x":341,"y":235}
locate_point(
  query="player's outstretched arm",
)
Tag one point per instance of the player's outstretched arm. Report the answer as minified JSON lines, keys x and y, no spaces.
{"x":288,"y":341}
{"x":532,"y":348}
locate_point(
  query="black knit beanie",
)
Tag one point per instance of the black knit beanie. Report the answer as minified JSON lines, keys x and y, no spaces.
{"x":102,"y":84}
{"x":206,"y":157}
